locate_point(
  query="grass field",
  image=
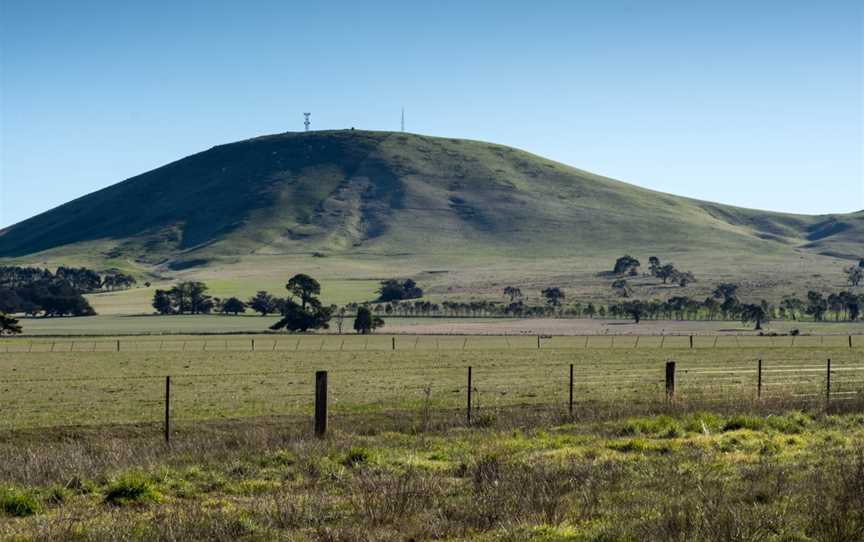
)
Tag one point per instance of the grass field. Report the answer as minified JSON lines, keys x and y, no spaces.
{"x":215,"y":324}
{"x":84,"y":460}
{"x":222,"y":378}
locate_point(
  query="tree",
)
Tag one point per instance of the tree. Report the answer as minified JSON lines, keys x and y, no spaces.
{"x":654,"y":265}
{"x":683,"y":278}
{"x":395,"y":290}
{"x":163,"y":302}
{"x":262,"y":303}
{"x":340,"y":319}
{"x":365,"y":322}
{"x":513,"y":293}
{"x":725,"y":291}
{"x":712,"y":306}
{"x":9,"y":325}
{"x":296,"y":318}
{"x":666,"y":272}
{"x":553,"y":296}
{"x":622,"y":288}
{"x":793,"y":306}
{"x":816,"y":305}
{"x":635,"y":309}
{"x":625,"y":264}
{"x":234,"y":306}
{"x":757,"y":313}
{"x":309,"y":313}
{"x":304,"y":287}
{"x":854,"y":275}
{"x":861,"y":263}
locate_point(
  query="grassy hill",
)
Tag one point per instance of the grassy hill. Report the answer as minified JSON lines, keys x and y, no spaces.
{"x":361,"y":201}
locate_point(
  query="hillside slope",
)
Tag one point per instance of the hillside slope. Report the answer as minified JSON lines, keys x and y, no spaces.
{"x":382,"y":193}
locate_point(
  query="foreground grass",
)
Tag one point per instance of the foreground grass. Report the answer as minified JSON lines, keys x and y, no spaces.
{"x":688,"y":476}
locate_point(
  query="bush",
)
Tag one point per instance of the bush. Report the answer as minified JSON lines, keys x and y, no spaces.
{"x":131,"y":488}
{"x":19,"y":503}
{"x":356,"y":455}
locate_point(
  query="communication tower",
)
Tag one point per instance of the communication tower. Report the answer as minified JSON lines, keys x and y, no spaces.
{"x":306,"y":122}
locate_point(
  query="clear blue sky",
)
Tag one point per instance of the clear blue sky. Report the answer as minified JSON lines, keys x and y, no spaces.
{"x":757,"y":104}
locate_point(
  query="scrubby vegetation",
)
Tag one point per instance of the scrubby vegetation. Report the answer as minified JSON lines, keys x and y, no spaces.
{"x":678,"y":476}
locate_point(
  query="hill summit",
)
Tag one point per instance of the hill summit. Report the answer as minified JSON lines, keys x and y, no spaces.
{"x":353,"y":191}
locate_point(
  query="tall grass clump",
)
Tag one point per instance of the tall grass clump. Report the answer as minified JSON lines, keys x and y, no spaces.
{"x":131,"y":488}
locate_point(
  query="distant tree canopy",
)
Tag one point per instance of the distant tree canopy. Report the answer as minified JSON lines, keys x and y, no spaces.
{"x":621,"y":287}
{"x":553,"y":295}
{"x":854,"y":274}
{"x":183,"y":298}
{"x":626,"y":264}
{"x":81,"y":279}
{"x":756,"y":313}
{"x":725,"y":291}
{"x":9,"y":325}
{"x":234,"y":306}
{"x":654,"y":265}
{"x":309,"y":313}
{"x":514,"y":293}
{"x":366,"y":322}
{"x":395,"y":290}
{"x":304,"y":287}
{"x":817,"y":305}
{"x":636,"y":309}
{"x":33,"y":291}
{"x":263,"y":303}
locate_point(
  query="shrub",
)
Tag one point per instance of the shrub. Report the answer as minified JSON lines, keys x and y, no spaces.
{"x":356,"y":455}
{"x":19,"y":503}
{"x":753,"y":423}
{"x":131,"y":488}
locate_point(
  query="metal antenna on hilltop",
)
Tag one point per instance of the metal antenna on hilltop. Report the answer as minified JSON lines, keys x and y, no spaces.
{"x":403,"y":119}
{"x":306,"y":122}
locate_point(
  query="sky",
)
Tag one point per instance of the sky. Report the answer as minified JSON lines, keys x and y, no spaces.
{"x":757,"y":104}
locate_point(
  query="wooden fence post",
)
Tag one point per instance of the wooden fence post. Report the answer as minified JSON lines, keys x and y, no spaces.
{"x":850,"y":341}
{"x":253,"y":344}
{"x":394,"y":343}
{"x":468,"y":410}
{"x":670,"y":380}
{"x":828,"y":382}
{"x":320,"y":403}
{"x":570,"y":403}
{"x":691,"y":341}
{"x":759,"y":381}
{"x":167,"y":410}
{"x":538,"y":342}
{"x":118,"y":345}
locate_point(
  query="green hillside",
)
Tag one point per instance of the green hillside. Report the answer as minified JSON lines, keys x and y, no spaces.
{"x":362,"y":200}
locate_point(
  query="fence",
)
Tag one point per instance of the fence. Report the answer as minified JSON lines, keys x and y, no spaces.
{"x":451,"y":389}
{"x":301,"y":343}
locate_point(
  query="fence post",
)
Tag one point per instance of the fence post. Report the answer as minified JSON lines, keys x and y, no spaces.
{"x":538,"y":342}
{"x":850,"y":341}
{"x":828,"y":382}
{"x":394,"y":343}
{"x":570,"y":403}
{"x":253,"y":344}
{"x":670,"y":380}
{"x":759,"y":381}
{"x":691,"y":341}
{"x":118,"y":345}
{"x":468,"y":411}
{"x":167,"y":410}
{"x":320,"y":403}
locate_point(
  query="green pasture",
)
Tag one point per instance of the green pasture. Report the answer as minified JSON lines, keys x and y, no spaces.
{"x":93,"y":384}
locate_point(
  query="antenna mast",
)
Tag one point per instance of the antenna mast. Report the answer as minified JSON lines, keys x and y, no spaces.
{"x":306,"y":122}
{"x":403,"y":119}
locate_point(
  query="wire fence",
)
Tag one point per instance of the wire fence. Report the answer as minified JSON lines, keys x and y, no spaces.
{"x":30,"y":402}
{"x":350,"y":343}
